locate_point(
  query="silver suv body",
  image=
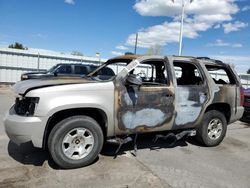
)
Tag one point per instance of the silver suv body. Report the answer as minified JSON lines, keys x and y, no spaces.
{"x":148,"y":94}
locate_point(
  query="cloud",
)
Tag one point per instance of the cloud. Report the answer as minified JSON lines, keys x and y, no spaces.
{"x":221,"y":43}
{"x":241,"y":62}
{"x":71,"y":2}
{"x":217,"y":26}
{"x":236,"y":26}
{"x":198,"y":7}
{"x":245,"y":8}
{"x":121,"y":47}
{"x":200,"y":16}
{"x":117,"y":53}
{"x":168,"y":32}
{"x":39,"y":35}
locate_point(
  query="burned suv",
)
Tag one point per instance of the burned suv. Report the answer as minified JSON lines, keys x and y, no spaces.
{"x":72,"y":118}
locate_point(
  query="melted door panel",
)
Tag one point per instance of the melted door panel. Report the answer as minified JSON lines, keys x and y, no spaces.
{"x":145,"y":108}
{"x":190,"y":101}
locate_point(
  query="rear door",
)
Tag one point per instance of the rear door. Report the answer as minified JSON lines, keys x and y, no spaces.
{"x":191,"y":93}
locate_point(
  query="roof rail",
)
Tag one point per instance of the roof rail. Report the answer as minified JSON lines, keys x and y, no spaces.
{"x":202,"y":58}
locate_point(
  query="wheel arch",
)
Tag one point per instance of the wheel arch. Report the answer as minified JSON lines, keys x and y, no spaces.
{"x":221,"y":107}
{"x":97,"y":114}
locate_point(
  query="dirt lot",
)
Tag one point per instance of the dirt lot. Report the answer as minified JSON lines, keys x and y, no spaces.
{"x":185,"y":165}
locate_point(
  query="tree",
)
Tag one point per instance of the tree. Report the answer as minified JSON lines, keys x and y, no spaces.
{"x":154,"y":50}
{"x":129,"y":53}
{"x":248,"y":71}
{"x":77,"y":53}
{"x":18,"y":45}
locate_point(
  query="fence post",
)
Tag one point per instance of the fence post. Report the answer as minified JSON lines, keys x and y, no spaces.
{"x":38,"y":62}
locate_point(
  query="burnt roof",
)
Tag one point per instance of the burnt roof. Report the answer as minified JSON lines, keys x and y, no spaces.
{"x":205,"y":60}
{"x":129,"y":57}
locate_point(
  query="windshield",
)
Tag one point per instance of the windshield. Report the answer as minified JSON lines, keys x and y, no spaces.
{"x":109,"y":70}
{"x":52,"y":69}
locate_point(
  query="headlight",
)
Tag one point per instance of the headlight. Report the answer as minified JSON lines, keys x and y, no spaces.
{"x":25,"y":106}
{"x":24,"y":77}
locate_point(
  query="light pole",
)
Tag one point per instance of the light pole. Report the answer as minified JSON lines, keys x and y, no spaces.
{"x":181,"y":26}
{"x":136,"y":38}
{"x":98,"y":55}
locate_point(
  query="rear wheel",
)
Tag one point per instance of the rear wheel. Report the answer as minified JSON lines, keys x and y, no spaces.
{"x":75,"y":142}
{"x":213,"y":128}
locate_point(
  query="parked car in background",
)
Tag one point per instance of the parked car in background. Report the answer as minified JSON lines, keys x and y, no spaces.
{"x":63,"y":69}
{"x":246,"y":115}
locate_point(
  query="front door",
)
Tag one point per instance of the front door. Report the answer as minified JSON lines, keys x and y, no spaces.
{"x":150,"y":106}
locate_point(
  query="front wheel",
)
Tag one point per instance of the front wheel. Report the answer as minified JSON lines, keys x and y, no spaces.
{"x":75,"y":142}
{"x":213,"y":128}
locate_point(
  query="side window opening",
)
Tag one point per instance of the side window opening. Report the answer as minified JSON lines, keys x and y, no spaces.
{"x":64,"y":69}
{"x":221,"y":75}
{"x":80,"y":70}
{"x":187,"y":74}
{"x":152,"y":73}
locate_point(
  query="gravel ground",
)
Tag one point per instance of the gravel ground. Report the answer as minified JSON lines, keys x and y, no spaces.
{"x":187,"y":164}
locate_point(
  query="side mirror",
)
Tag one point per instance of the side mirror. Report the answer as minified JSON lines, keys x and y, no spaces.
{"x":134,"y":79}
{"x":56,"y":72}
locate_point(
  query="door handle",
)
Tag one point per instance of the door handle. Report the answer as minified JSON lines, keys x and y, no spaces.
{"x":168,"y":95}
{"x":205,"y":94}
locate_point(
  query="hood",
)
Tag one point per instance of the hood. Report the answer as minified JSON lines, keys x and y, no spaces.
{"x":40,"y":72}
{"x":22,"y":87}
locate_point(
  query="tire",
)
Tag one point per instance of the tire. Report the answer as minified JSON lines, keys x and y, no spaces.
{"x":75,"y":142}
{"x":206,"y":133}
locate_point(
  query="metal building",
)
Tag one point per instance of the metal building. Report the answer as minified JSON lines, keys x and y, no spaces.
{"x":14,"y":62}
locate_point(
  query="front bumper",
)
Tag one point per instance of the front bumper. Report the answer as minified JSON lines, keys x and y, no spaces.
{"x":21,"y":129}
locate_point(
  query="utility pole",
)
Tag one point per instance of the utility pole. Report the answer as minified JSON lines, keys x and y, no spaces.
{"x":181,"y":24}
{"x":136,"y":38}
{"x":181,"y":28}
{"x":98,"y":55}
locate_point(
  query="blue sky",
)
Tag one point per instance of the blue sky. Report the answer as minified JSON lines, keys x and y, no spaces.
{"x":218,"y":29}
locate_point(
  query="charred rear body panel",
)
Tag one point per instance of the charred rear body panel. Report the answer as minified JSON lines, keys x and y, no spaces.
{"x":190,"y":104}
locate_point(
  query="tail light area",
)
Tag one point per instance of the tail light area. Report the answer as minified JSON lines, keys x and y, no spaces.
{"x":241,"y":96}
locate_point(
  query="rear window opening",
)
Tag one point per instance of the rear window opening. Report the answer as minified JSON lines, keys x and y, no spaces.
{"x":221,"y":75}
{"x":187,"y":74}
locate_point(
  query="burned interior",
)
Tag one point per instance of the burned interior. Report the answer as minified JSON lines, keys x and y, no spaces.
{"x":221,"y":75}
